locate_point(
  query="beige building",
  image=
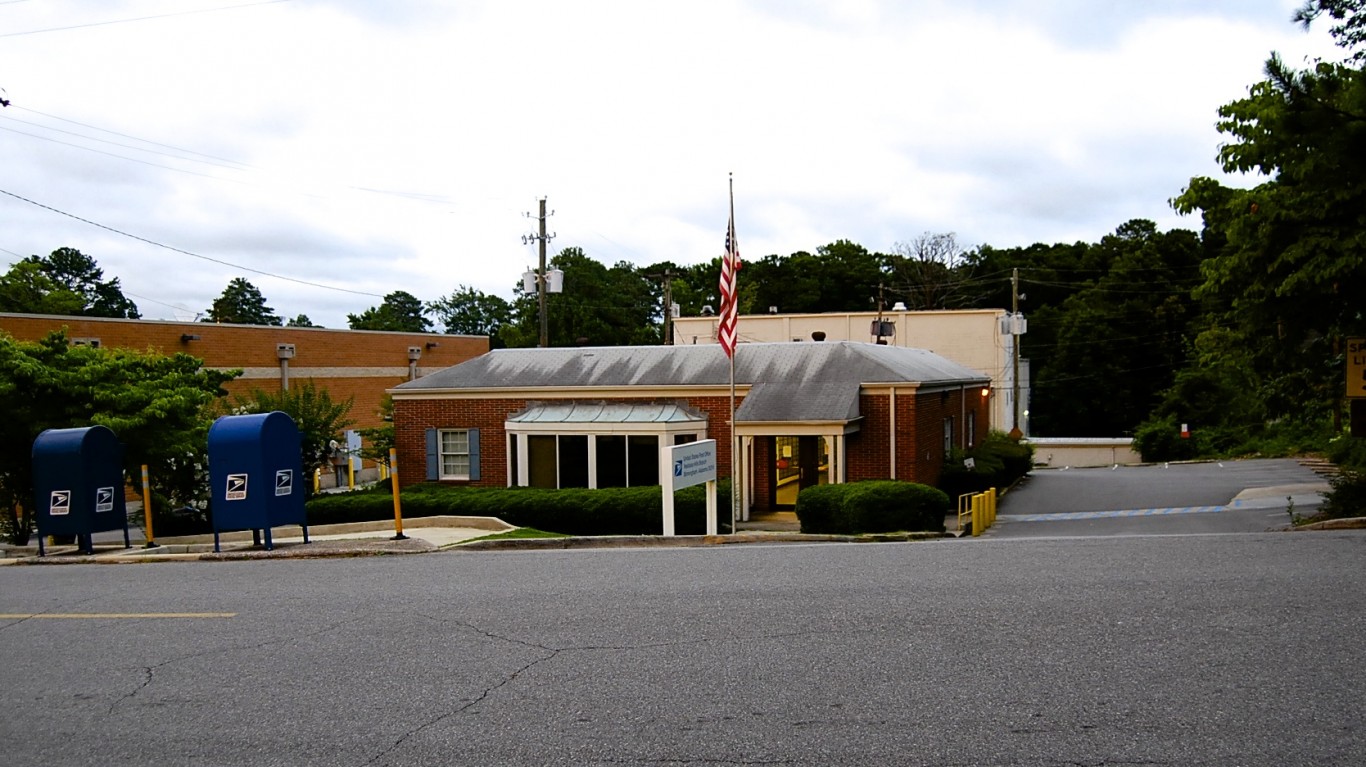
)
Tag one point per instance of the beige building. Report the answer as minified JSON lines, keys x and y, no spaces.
{"x":979,"y":339}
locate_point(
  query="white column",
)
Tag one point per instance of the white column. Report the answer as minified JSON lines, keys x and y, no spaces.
{"x":523,"y":462}
{"x":593,"y":461}
{"x":891,"y":428}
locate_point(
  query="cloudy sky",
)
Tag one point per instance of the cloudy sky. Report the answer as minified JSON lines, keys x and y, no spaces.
{"x":334,"y":151}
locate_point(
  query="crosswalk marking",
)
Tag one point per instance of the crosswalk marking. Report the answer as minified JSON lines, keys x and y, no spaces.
{"x":1071,"y":515}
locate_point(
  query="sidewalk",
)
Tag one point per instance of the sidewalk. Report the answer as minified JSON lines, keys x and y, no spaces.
{"x":424,"y":534}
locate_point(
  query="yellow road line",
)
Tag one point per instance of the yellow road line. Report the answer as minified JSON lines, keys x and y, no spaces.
{"x":87,"y":616}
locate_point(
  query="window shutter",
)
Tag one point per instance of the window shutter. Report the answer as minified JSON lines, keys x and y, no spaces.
{"x":474,"y":455}
{"x":433,"y":457}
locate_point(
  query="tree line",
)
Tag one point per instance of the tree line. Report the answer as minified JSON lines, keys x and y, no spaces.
{"x":1236,"y":329}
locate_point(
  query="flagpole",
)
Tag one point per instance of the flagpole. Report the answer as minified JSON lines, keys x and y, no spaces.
{"x":736,"y":482}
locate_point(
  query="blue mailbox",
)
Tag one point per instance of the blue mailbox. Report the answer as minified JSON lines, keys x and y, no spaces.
{"x":78,"y":484}
{"x":256,"y":474}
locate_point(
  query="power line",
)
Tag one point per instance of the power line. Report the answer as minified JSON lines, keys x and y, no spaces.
{"x":186,"y":252}
{"x":118,"y":156}
{"x":210,"y":159}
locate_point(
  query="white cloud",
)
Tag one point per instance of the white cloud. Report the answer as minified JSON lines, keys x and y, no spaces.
{"x":397,"y":146}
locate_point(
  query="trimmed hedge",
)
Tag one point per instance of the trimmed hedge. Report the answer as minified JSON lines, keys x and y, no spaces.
{"x":572,"y":511}
{"x":876,"y":506}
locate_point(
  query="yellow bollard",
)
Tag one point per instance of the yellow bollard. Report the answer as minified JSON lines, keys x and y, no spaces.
{"x":317,"y":480}
{"x":991,"y":500}
{"x":147,"y":508}
{"x":398,"y":511}
{"x":350,"y":473}
{"x":978,"y":518}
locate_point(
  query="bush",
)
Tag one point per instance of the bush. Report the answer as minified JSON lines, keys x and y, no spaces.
{"x":875,"y":506}
{"x":999,"y":462}
{"x":572,"y":511}
{"x":1347,"y":498}
{"x":1160,"y":440}
{"x":817,"y":507}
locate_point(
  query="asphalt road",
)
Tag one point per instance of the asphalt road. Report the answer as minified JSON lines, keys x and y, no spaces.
{"x":1161,"y":499}
{"x":1243,"y":649}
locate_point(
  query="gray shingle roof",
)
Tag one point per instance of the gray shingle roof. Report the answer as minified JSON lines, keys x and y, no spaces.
{"x":789,"y":381}
{"x":699,"y":365}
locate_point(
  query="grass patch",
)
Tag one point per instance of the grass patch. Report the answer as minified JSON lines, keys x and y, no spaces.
{"x":518,"y":534}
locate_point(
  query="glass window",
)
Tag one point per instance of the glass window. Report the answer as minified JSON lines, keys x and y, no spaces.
{"x":948,"y":437}
{"x":573,"y":460}
{"x":611,"y":460}
{"x":455,"y":454}
{"x":642,"y":460}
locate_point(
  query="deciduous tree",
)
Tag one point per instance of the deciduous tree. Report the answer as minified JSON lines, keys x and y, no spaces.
{"x":65,"y":282}
{"x":242,"y":304}
{"x":400,"y":311}
{"x":158,"y":407}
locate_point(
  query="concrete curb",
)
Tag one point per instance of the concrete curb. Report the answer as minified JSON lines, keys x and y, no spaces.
{"x":1347,"y":523}
{"x":683,"y":541}
{"x":365,"y":547}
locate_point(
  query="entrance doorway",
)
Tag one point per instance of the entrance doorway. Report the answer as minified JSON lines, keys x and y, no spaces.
{"x":798,"y":462}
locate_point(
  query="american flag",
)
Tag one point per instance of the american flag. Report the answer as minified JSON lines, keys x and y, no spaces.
{"x":726,"y":331}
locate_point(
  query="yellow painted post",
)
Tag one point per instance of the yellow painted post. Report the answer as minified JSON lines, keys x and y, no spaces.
{"x":398,"y":510}
{"x":977,"y":516}
{"x":350,"y":473}
{"x":317,"y":480}
{"x":991,"y":501}
{"x":147,"y":508}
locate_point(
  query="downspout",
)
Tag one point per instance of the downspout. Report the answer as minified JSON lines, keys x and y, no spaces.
{"x":891,"y":399}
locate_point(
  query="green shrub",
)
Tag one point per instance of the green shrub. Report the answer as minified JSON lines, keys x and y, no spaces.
{"x":999,"y":462}
{"x":1348,"y":496}
{"x":817,"y":507}
{"x":572,"y":511}
{"x":1160,"y":439}
{"x":1347,"y":452}
{"x":875,"y":506}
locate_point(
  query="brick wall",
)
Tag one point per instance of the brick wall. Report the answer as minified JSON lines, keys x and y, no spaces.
{"x":346,"y":363}
{"x":412,"y":418}
{"x":919,"y":419}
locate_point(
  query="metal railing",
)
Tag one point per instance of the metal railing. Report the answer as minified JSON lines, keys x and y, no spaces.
{"x":979,"y":509}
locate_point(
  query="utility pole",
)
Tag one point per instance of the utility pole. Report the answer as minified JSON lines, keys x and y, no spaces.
{"x":1015,"y":431}
{"x":667,"y":278}
{"x":541,"y":239}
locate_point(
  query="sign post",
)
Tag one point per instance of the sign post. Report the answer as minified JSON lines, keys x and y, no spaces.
{"x":684,"y":466}
{"x":1356,"y":367}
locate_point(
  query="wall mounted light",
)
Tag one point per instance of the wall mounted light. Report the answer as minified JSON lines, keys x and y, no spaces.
{"x":185,"y":338}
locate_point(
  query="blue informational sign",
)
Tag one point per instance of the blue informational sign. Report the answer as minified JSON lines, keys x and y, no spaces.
{"x":693,"y":463}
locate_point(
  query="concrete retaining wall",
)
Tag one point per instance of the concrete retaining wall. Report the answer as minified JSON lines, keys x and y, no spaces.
{"x":1056,"y":452}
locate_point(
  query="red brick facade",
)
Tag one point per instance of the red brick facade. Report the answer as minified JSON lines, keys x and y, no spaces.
{"x":919,"y":444}
{"x":346,"y":363}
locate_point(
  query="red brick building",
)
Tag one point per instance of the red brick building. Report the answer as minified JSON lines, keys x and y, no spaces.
{"x":346,"y":363}
{"x":806,"y":413}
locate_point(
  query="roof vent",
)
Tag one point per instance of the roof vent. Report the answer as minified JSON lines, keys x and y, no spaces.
{"x":818,"y":335}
